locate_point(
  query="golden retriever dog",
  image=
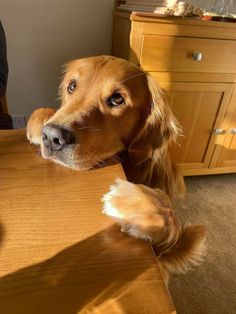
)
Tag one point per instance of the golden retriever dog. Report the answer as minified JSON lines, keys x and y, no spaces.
{"x":112,"y":110}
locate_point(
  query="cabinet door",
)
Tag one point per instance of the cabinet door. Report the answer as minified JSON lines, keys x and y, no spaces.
{"x":200,"y":109}
{"x":225,"y":150}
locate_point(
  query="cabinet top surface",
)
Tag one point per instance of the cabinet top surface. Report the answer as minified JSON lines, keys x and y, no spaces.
{"x":151,"y":17}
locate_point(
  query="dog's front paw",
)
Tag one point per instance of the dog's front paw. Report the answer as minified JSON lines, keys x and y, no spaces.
{"x":133,"y":207}
{"x":117,"y":200}
{"x":36,"y":121}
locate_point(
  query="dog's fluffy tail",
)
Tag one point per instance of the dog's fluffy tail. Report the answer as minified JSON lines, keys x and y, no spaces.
{"x":187,"y":252}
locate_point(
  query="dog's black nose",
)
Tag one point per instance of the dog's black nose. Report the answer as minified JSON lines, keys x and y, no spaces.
{"x":55,"y":137}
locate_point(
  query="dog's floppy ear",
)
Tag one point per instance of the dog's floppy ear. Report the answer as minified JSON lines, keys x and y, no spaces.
{"x":159,"y":130}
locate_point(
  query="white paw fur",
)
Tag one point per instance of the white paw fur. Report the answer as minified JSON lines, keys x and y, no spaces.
{"x":121,"y":188}
{"x":108,"y":208}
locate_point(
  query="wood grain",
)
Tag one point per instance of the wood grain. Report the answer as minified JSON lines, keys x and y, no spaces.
{"x":58,"y":253}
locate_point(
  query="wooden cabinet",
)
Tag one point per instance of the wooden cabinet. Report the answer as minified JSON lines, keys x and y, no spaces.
{"x":225,"y":151}
{"x":193,"y":61}
{"x":200,"y":107}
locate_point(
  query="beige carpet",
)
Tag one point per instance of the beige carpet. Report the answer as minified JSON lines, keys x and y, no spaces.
{"x":211,"y":288}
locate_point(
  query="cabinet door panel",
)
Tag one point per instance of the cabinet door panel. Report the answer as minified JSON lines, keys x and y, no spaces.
{"x":230,"y":156}
{"x":200,"y":108}
{"x":225,"y":150}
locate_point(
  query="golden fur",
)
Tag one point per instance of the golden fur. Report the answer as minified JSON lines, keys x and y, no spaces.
{"x":139,"y":133}
{"x":147,"y":214}
{"x":142,"y":129}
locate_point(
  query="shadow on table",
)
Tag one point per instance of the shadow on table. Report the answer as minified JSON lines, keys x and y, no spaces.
{"x":77,"y":277}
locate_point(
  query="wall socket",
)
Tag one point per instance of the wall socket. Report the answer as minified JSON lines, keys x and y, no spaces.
{"x":18,"y":122}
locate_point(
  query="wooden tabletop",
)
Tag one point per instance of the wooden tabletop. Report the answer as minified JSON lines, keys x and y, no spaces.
{"x":58,"y":253}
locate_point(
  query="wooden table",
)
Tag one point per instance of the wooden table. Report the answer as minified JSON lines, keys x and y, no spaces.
{"x":58,"y":253}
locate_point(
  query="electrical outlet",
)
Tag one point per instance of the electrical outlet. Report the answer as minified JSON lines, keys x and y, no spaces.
{"x":18,"y":122}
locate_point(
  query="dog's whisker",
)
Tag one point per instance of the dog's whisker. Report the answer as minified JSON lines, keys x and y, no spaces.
{"x":58,"y":98}
{"x":115,"y":158}
{"x":84,"y":128}
{"x":101,"y":162}
{"x":129,"y":78}
{"x":89,"y":129}
{"x":100,"y":165}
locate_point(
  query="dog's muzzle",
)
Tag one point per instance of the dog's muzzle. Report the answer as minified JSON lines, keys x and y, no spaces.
{"x":56,"y":138}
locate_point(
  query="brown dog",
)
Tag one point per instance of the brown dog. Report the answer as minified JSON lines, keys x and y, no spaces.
{"x":112,"y":109}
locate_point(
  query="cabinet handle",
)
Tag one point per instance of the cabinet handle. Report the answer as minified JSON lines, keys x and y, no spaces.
{"x":197,"y":56}
{"x":219,"y":131}
{"x":232,"y":131}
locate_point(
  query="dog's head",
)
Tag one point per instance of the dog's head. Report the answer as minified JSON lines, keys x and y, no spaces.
{"x":108,"y":105}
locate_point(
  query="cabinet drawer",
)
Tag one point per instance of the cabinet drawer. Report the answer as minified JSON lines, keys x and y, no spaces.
{"x":168,"y":53}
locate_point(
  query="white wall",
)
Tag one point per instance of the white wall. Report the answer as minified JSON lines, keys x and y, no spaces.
{"x":42,"y":36}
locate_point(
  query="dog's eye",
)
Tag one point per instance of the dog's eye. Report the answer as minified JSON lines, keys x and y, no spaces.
{"x":115,"y":100}
{"x":71,"y":87}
